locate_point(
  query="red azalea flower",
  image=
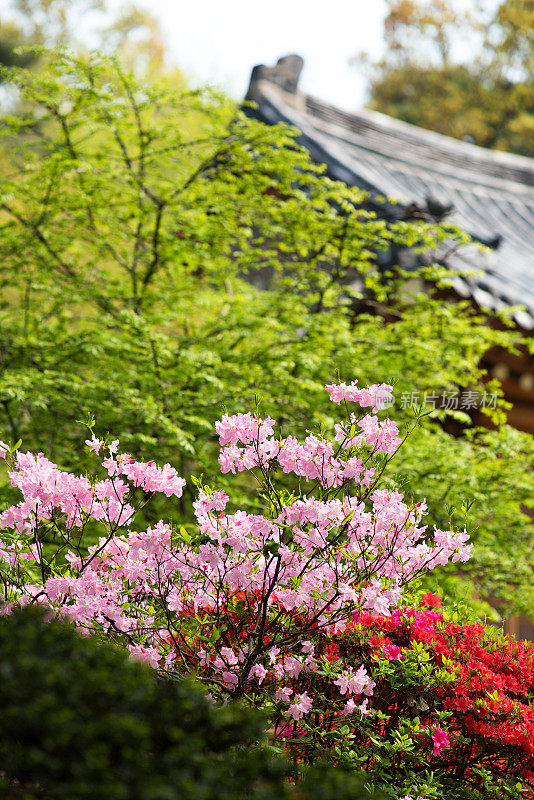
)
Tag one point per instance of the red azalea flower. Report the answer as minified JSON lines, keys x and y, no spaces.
{"x":430,"y":600}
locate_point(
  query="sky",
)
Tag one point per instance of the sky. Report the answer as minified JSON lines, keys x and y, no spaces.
{"x":219,"y":41}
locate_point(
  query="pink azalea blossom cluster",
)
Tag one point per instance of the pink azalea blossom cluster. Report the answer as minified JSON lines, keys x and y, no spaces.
{"x":47,"y":490}
{"x":222,"y":603}
{"x":355,"y":682}
{"x":379,"y":395}
{"x":315,"y":459}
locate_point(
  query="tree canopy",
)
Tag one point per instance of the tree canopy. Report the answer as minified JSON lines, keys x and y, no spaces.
{"x":469,"y":75}
{"x":29,"y":25}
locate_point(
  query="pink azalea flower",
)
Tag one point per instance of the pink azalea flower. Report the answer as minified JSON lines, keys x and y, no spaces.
{"x":284,"y":693}
{"x":94,"y":444}
{"x":301,"y":706}
{"x":258,"y":671}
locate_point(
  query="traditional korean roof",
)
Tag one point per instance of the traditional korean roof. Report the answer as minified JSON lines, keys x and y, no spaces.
{"x":489,"y":194}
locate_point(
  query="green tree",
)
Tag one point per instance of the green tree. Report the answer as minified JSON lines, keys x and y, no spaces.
{"x":30,"y":25}
{"x":136,"y":226}
{"x":425,"y":78}
{"x":11,"y":38}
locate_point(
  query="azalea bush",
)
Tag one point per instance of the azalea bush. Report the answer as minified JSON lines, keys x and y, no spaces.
{"x":331,"y":543}
{"x":235,"y":601}
{"x":447,"y":705}
{"x":298,"y":610}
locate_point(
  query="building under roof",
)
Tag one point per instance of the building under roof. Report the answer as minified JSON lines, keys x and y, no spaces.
{"x":489,"y":194}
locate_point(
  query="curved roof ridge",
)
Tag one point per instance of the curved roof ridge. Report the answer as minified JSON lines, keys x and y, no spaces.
{"x":398,"y":126}
{"x":517,"y":167}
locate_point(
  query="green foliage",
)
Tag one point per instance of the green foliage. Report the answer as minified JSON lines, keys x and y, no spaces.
{"x":11,"y":37}
{"x":322,"y":782}
{"x":137,"y":227}
{"x":424,"y":80}
{"x":79,"y":719}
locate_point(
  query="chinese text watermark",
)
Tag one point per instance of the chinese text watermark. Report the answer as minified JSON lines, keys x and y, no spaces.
{"x":452,"y":400}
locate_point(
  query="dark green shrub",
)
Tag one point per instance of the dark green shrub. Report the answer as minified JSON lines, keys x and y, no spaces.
{"x":80,"y":720}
